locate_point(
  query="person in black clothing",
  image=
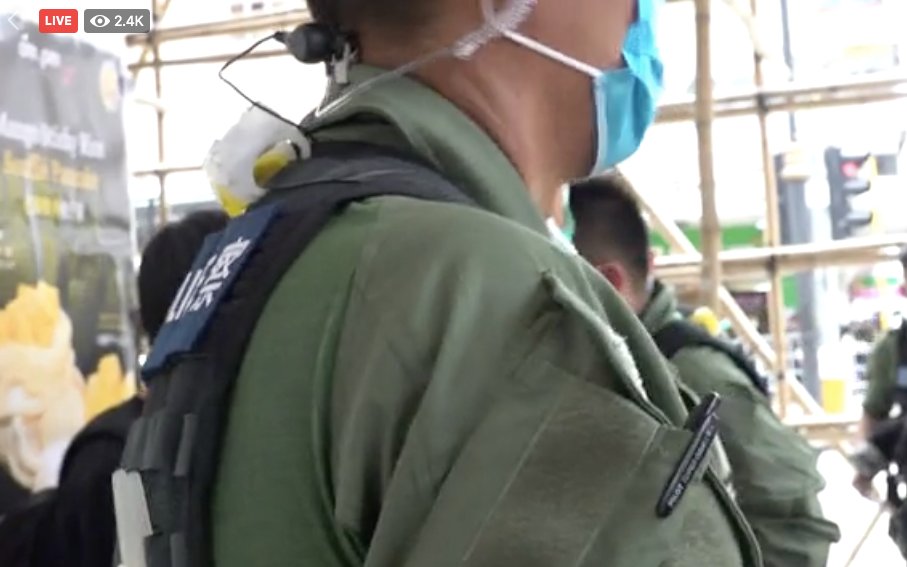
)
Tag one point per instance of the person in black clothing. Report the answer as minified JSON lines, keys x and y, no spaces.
{"x":73,"y":525}
{"x":12,"y":494}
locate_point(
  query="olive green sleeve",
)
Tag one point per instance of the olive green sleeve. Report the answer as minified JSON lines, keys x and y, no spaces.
{"x":881,"y":378}
{"x":485,"y":414}
{"x":774,"y":469}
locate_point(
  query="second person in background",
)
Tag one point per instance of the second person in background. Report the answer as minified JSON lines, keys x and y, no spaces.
{"x":773,"y":468}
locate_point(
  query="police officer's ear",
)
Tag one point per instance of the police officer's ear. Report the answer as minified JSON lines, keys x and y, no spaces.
{"x":627,"y":284}
{"x":617,"y":274}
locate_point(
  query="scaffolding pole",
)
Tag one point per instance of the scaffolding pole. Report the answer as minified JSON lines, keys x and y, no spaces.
{"x":711,"y":227}
{"x":772,"y":239}
{"x":207,"y":59}
{"x":147,"y":48}
{"x":895,"y":89}
{"x":757,"y":263}
{"x":159,"y":9}
{"x":877,"y":87}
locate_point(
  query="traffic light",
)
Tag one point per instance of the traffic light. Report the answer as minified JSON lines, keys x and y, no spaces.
{"x":848,"y":176}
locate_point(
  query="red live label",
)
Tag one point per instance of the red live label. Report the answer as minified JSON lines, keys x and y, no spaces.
{"x":58,"y":21}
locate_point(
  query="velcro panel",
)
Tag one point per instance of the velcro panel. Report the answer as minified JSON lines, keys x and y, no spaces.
{"x":135,"y":442}
{"x":186,"y":444}
{"x":189,"y":380}
{"x":162,"y":441}
{"x":179,"y":552}
{"x":157,"y":551}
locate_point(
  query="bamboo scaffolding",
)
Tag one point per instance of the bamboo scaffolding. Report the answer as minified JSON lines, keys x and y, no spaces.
{"x":208,"y":59}
{"x":166,"y":169}
{"x":253,"y":23}
{"x":170,"y":168}
{"x":834,"y":429}
{"x":752,"y":263}
{"x":710,"y":225}
{"x":147,"y":49}
{"x":882,"y":88}
{"x":153,"y":103}
{"x":877,"y":87}
{"x":158,"y":10}
{"x":772,"y":235}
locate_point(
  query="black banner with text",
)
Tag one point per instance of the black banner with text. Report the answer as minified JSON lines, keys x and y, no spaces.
{"x":66,"y":344}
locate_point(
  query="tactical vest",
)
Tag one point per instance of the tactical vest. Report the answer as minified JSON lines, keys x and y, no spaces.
{"x":163,"y":490}
{"x":681,"y":333}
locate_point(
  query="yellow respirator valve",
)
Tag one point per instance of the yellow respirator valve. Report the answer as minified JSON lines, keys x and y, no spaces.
{"x":241,"y":163}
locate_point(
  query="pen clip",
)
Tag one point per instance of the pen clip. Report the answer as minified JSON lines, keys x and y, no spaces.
{"x":703,"y":422}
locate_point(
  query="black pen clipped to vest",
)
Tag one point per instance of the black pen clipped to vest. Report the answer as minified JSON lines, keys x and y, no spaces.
{"x":703,"y":422}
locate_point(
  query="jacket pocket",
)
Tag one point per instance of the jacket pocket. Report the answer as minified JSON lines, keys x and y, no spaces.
{"x":562,"y":472}
{"x":697,"y":532}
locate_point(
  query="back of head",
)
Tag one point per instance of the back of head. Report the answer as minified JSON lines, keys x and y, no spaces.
{"x":351,"y":15}
{"x":610,"y":227}
{"x":167,"y":259}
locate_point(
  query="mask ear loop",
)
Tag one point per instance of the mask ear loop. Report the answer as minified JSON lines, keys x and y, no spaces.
{"x":503,"y":23}
{"x":255,"y":103}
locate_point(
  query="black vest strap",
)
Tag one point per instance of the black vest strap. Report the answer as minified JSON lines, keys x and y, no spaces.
{"x":681,"y":333}
{"x":175,"y":446}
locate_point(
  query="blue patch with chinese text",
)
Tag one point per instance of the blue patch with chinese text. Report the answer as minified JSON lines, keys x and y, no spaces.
{"x":215,"y":270}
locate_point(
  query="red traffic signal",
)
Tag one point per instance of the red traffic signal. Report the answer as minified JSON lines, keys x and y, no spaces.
{"x":849,"y":175}
{"x":850,"y":168}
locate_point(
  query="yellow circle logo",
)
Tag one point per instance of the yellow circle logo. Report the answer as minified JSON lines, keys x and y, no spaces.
{"x":109,"y":86}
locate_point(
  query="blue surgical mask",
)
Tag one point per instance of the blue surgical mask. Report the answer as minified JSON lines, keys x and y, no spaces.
{"x":625,"y":98}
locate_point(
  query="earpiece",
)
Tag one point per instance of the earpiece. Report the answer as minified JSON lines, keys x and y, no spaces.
{"x":314,"y":43}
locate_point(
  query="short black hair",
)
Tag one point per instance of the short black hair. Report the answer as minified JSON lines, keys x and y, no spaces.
{"x":609,"y":224}
{"x":350,"y":15}
{"x":904,"y":257}
{"x":167,"y":259}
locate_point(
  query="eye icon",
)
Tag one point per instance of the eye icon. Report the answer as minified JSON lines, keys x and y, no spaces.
{"x":99,"y":20}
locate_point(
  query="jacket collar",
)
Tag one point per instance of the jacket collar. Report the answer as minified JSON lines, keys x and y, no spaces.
{"x":406,"y":114}
{"x":661,"y":308}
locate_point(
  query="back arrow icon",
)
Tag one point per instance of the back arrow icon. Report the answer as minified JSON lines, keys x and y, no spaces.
{"x":13,"y":18}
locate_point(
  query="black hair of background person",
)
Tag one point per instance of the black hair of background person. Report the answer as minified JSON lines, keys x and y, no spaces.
{"x":166,"y":260}
{"x":73,"y":525}
{"x":610,"y":224}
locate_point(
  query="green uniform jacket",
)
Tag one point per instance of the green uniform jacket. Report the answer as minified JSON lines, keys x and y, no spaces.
{"x":774,"y":469}
{"x":435,"y":385}
{"x":882,"y":375}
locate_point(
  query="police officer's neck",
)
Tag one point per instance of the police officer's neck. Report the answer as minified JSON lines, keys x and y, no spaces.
{"x":538,"y":112}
